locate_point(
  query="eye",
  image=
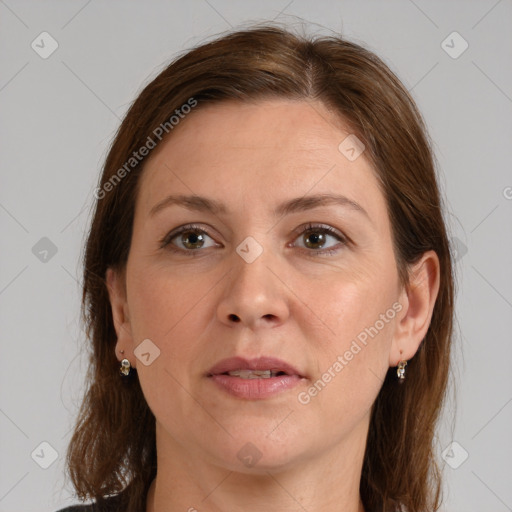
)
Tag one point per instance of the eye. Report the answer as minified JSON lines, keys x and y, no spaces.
{"x":320,"y":239}
{"x":188,"y":238}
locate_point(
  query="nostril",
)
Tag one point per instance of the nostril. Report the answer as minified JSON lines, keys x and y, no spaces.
{"x":234,"y":318}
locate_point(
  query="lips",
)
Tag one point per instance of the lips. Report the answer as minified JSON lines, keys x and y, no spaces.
{"x":264,"y":378}
{"x":276,"y":366}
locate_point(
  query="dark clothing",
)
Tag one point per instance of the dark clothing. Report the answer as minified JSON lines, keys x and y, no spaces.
{"x":110,"y":504}
{"x":78,"y":508}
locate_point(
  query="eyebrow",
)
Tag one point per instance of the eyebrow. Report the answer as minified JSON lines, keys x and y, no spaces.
{"x":309,"y":202}
{"x":203,"y":204}
{"x":192,"y":202}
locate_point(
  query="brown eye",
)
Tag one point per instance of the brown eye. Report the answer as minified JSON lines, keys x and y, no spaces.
{"x":187,"y":239}
{"x":320,"y":239}
{"x":192,"y":240}
{"x":314,"y":240}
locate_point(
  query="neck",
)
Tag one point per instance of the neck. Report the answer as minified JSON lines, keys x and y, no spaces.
{"x":328,"y":482}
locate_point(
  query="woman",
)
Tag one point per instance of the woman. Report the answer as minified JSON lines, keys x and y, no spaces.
{"x":268,"y":289}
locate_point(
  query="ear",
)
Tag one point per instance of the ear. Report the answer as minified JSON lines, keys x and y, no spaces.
{"x":418,"y":299}
{"x":120,"y":314}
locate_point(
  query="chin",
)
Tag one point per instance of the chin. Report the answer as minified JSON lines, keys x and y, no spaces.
{"x":258,"y":453}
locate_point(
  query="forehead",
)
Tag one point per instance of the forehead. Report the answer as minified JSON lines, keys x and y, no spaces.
{"x":266,"y":151}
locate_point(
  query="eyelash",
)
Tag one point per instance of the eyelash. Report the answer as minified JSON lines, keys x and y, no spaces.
{"x":321,"y":228}
{"x":166,"y":242}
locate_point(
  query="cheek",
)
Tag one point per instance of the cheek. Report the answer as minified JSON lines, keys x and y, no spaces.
{"x":351,"y":344}
{"x":162,"y":302}
{"x":361,"y":313}
{"x":174,"y":312}
{"x":347,"y":303}
{"x":167,"y":310}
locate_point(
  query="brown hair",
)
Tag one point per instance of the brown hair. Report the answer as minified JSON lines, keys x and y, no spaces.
{"x":113,"y":445}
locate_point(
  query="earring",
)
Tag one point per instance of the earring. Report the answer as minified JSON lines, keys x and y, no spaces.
{"x":400,"y":371}
{"x":125,"y":368}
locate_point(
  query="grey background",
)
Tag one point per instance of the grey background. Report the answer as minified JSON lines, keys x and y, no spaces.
{"x":59,"y":115}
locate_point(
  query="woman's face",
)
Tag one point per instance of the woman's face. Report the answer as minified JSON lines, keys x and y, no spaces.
{"x":289,"y":256}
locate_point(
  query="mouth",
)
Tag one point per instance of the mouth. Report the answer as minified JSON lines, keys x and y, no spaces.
{"x":254,"y":379}
{"x":255,"y":374}
{"x":260,"y":368}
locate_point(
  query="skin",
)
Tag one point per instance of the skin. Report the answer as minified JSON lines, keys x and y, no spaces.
{"x":291,"y":302}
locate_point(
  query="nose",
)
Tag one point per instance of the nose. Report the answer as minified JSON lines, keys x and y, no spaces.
{"x":255,"y":295}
